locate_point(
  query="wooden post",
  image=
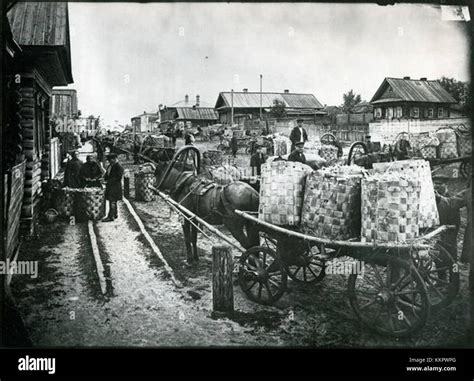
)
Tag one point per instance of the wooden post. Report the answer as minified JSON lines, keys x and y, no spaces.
{"x":222,"y":288}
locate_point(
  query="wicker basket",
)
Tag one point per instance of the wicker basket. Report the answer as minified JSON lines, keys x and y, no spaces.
{"x":142,"y":190}
{"x":464,"y":136}
{"x":448,"y":148}
{"x":429,"y":152}
{"x":216,"y":157}
{"x":92,"y":199}
{"x":416,"y":169}
{"x":329,"y":153}
{"x":282,"y":191}
{"x":390,"y":208}
{"x":64,"y":201}
{"x":281,"y":146}
{"x":51,"y":215}
{"x":331,"y":206}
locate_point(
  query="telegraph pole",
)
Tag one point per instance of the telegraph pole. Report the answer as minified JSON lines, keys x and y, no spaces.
{"x":260,"y":97}
{"x":231,"y":107}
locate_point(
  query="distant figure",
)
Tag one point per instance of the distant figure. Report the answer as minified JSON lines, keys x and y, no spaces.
{"x":83,"y":136}
{"x":189,"y":139}
{"x":401,"y":149}
{"x":72,"y":177}
{"x":113,"y":187}
{"x":234,"y":145}
{"x":256,"y":161}
{"x":206,"y":160}
{"x":369,"y":144}
{"x":91,"y":172}
{"x":298,"y":134}
{"x":297,"y":154}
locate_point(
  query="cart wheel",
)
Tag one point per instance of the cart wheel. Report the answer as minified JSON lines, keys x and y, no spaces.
{"x":439,"y":272}
{"x":262,"y":275}
{"x":327,"y":138}
{"x":390,"y":300}
{"x":357,"y":150}
{"x":466,"y":170}
{"x":312,"y":269}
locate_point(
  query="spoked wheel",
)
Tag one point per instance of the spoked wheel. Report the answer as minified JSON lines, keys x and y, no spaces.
{"x":311,"y":269}
{"x":465,"y":169}
{"x":440,"y":274}
{"x":328,"y":138}
{"x":262,"y":275}
{"x":390,"y":300}
{"x":357,"y":150}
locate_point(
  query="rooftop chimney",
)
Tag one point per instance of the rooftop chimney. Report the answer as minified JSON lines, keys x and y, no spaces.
{"x":406,"y":77}
{"x":186,"y":98}
{"x":197,"y":100}
{"x":286,"y":91}
{"x":245,"y":90}
{"x":423,"y":79}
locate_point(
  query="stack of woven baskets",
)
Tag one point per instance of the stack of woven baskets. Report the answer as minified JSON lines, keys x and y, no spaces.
{"x":465,"y":140}
{"x":331,"y":207}
{"x":64,"y":201}
{"x":390,"y":207}
{"x":143,"y":179}
{"x":448,"y":148}
{"x":88,"y":202}
{"x":281,"y":192}
{"x":425,"y":144}
{"x":420,"y":170}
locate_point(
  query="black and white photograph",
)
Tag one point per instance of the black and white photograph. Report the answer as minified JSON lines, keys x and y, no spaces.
{"x":245,"y":175}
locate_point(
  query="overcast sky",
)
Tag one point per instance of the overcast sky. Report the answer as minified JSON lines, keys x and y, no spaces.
{"x":127,"y":58}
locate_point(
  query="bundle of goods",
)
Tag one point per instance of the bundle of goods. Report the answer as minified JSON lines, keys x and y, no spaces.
{"x":328,"y":152}
{"x":390,"y":207}
{"x":225,"y":174}
{"x":64,"y":201}
{"x":215,"y":157}
{"x":281,"y":146}
{"x":425,"y":144}
{"x":465,"y":140}
{"x":282,"y":191}
{"x":143,"y":179}
{"x":420,"y":170}
{"x":448,"y":148}
{"x":91,"y":201}
{"x":331,"y":206}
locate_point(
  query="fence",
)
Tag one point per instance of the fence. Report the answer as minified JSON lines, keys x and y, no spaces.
{"x":54,"y":157}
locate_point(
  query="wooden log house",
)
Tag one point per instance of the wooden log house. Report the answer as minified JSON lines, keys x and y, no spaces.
{"x":41,"y":30}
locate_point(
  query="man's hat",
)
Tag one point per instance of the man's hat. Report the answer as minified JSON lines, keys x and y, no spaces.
{"x":299,"y":120}
{"x":368,"y":136}
{"x":299,"y":144}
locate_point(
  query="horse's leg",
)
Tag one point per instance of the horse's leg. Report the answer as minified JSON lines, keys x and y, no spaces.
{"x":187,"y":241}
{"x":236,"y":228}
{"x":253,"y":235}
{"x":194,"y":242}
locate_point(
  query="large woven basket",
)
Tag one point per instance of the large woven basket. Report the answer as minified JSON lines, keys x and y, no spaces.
{"x":282,"y":191}
{"x":329,"y":153}
{"x":416,"y":169}
{"x":390,"y":208}
{"x":142,"y":190}
{"x":92,"y":199}
{"x":331,"y":206}
{"x":281,"y":146}
{"x":429,"y":152}
{"x":464,"y":135}
{"x":448,"y":148}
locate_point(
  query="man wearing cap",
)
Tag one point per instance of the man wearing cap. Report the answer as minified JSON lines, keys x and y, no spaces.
{"x":297,"y":154}
{"x":91,"y":172}
{"x":72,"y":177}
{"x":298,"y":134}
{"x":113,"y":187}
{"x":369,"y":144}
{"x":256,"y":161}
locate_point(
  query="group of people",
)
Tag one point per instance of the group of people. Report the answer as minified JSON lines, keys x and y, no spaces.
{"x":90,"y":174}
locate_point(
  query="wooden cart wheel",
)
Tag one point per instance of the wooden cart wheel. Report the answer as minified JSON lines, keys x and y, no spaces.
{"x":311,"y":270}
{"x":466,"y":170}
{"x":390,"y":300}
{"x":357,"y":150}
{"x":440,"y":274}
{"x":327,"y":138}
{"x":262,"y":275}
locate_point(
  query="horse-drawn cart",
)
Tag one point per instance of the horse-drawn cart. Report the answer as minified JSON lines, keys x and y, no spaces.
{"x":391,"y":287}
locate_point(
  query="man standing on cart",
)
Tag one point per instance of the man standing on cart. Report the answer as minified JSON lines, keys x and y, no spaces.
{"x":298,"y":134}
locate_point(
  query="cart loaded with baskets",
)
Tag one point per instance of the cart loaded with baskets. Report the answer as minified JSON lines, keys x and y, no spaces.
{"x":381,"y":227}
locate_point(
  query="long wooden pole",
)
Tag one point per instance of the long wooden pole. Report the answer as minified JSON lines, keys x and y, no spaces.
{"x":190,"y":214}
{"x":347,"y":244}
{"x":231,"y":107}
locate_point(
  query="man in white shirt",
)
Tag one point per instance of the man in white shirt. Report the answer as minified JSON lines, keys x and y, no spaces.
{"x":298,"y":134}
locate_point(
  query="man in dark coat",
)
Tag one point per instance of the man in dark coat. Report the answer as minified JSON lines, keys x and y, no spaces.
{"x":297,"y":154}
{"x":234,"y":145}
{"x":72,"y":177}
{"x":298,"y":134}
{"x":256,"y":161}
{"x":91,"y":173}
{"x":113,"y":187}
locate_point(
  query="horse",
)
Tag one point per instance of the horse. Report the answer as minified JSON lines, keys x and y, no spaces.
{"x":212,"y":202}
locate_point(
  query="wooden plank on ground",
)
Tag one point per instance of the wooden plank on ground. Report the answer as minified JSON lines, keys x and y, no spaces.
{"x":97,"y":260}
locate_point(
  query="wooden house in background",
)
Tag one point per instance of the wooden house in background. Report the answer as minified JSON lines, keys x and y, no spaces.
{"x":41,"y":30}
{"x":421,"y":99}
{"x":187,"y":113}
{"x":146,"y":122}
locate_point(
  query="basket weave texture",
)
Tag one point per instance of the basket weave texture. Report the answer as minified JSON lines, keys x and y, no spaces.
{"x":328,"y":153}
{"x":281,"y":146}
{"x":64,"y":201}
{"x":332,"y":202}
{"x":281,"y":192}
{"x":420,"y":170}
{"x":448,"y":148}
{"x":142,"y":191}
{"x":390,"y":208}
